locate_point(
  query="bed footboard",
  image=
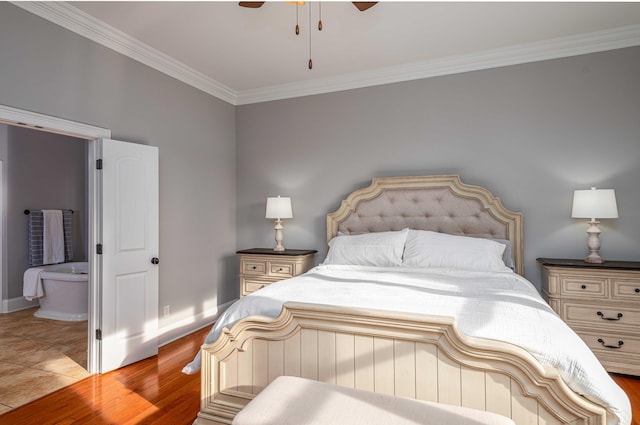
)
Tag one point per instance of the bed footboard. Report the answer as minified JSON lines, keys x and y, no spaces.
{"x":408,"y":355}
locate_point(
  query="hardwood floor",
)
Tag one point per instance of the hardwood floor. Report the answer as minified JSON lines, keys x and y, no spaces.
{"x":154,"y":391}
{"x":631,"y":386}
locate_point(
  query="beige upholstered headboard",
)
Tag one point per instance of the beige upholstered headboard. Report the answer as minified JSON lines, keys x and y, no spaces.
{"x":438,"y":203}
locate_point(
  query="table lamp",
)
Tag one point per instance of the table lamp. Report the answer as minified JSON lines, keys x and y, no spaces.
{"x":594,"y":203}
{"x":279,"y":208}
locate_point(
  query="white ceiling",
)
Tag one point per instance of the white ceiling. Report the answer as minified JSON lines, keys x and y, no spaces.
{"x":248,"y":55}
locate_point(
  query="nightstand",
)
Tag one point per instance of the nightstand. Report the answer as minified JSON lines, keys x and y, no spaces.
{"x":601,"y":303}
{"x":260,"y":267}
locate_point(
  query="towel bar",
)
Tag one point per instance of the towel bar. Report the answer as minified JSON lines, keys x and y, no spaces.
{"x":26,"y":212}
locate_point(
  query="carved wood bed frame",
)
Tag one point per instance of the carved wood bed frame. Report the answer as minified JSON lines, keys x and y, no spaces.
{"x":410,"y":355}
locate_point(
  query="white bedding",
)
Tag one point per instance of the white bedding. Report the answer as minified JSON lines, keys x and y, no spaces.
{"x":496,"y":305}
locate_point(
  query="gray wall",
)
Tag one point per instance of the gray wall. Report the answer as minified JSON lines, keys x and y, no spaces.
{"x":531,"y":133}
{"x":44,"y":171}
{"x":47,"y":69}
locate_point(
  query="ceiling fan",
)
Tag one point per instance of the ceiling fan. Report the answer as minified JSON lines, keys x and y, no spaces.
{"x":360,"y":5}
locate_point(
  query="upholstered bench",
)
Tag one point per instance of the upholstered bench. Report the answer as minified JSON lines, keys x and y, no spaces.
{"x":296,"y":401}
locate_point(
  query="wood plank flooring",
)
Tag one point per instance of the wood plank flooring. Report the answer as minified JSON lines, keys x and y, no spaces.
{"x":631,"y":386}
{"x":154,"y":391}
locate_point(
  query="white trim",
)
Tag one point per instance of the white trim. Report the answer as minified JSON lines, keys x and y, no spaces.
{"x":532,"y":52}
{"x":94,"y":187}
{"x":173,"y":331}
{"x":17,"y":304}
{"x":75,"y":20}
{"x":33,"y":120}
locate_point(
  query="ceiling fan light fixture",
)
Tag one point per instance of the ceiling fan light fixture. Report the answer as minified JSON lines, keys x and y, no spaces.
{"x":360,"y":5}
{"x":364,"y":5}
{"x":251,"y":4}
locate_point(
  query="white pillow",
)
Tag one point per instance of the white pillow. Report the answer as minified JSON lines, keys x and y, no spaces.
{"x":426,"y":249}
{"x":382,"y":249}
{"x":507,"y":255}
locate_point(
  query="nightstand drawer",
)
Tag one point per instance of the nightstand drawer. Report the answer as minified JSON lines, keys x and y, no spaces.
{"x":611,"y":343}
{"x":609,"y":317}
{"x":255,"y":267}
{"x":252,"y":285}
{"x":618,"y":353}
{"x":626,"y":289}
{"x":281,"y":269}
{"x":583,"y":286}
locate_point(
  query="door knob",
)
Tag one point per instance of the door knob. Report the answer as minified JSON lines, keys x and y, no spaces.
{"x":155,"y":260}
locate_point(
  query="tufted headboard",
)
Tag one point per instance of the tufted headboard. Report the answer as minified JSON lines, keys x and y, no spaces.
{"x":439,"y":203}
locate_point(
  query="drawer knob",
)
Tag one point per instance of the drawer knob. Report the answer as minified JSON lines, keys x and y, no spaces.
{"x":262,"y":286}
{"x":637,"y":290}
{"x":583,"y":286}
{"x":620,"y":344}
{"x":254,"y":267}
{"x":602,"y":316}
{"x":280,"y":269}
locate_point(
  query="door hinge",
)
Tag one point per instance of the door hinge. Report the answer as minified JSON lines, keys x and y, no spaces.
{"x":99,"y":249}
{"x":99,"y":164}
{"x":99,"y":334}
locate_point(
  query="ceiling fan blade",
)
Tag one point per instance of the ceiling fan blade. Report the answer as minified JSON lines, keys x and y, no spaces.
{"x":364,"y":5}
{"x":251,"y":4}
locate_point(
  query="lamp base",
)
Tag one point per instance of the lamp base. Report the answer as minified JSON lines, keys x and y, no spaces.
{"x":595,"y":259}
{"x":279,"y":236}
{"x":593,"y":243}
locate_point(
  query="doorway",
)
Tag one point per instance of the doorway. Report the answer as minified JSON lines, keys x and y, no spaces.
{"x":90,"y":134}
{"x":123,"y":241}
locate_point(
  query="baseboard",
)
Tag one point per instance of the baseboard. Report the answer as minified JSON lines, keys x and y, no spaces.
{"x":166,"y":334}
{"x":17,"y":304}
{"x":177,"y":330}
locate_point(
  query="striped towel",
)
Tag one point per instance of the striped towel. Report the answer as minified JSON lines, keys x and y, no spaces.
{"x":35,"y":231}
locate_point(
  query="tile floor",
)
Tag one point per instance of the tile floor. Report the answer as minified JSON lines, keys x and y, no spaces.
{"x":38,"y":356}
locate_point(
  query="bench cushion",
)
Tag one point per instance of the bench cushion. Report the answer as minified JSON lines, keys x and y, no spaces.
{"x":297,"y":401}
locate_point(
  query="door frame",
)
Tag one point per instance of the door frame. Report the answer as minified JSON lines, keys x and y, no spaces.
{"x":92,"y":134}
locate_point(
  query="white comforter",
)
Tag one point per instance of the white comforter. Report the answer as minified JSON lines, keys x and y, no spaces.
{"x":501,"y":306}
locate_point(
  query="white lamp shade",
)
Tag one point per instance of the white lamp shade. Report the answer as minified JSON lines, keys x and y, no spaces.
{"x":594,"y":203}
{"x":279,"y":207}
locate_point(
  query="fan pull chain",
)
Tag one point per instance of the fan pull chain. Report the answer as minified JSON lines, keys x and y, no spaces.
{"x":310,"y":62}
{"x":297,"y":26}
{"x":320,"y":16}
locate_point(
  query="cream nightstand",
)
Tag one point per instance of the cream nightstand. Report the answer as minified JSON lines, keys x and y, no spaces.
{"x":260,"y":267}
{"x":601,"y":303}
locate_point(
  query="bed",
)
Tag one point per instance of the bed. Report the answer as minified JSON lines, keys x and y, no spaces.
{"x":388,"y":313}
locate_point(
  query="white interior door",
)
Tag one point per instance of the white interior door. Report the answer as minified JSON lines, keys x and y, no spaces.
{"x":129,"y":259}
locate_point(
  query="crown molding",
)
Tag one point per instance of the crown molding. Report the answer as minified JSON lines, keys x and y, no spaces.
{"x":524,"y":53}
{"x":75,"y":20}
